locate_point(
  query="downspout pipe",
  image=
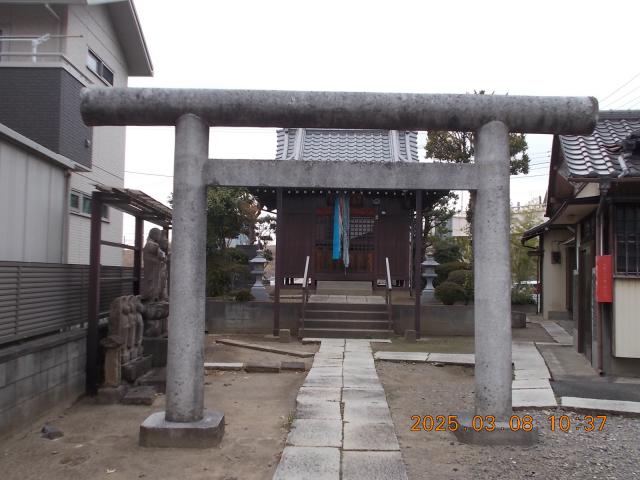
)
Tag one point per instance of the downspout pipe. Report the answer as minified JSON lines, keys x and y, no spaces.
{"x":604,"y":189}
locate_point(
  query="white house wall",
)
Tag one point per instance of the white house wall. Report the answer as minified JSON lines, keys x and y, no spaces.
{"x":32,"y":206}
{"x":554,"y":274}
{"x":626,"y":324}
{"x":108,"y":146}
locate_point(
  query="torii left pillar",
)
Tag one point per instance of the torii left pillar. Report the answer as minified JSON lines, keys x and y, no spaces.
{"x":186,"y":423}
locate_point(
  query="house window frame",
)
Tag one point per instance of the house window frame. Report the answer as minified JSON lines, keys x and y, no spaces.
{"x":101,"y":69}
{"x":628,"y":271}
{"x":85,"y":199}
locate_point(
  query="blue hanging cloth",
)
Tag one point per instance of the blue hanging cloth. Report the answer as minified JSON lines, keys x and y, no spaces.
{"x":337,"y":231}
{"x":346,"y":233}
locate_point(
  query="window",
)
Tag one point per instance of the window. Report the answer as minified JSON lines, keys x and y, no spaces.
{"x":627,"y":238}
{"x":81,"y":203}
{"x":74,"y":202}
{"x":97,"y":66}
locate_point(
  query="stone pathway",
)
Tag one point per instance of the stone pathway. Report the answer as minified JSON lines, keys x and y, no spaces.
{"x":342,"y":428}
{"x":559,"y":334}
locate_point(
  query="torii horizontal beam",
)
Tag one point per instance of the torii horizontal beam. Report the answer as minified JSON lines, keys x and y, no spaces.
{"x":336,"y":174}
{"x":387,"y":111}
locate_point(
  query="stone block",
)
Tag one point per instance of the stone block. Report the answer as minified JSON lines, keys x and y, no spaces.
{"x":284,"y":335}
{"x":156,"y":378}
{"x":56,"y":375}
{"x":76,"y":349}
{"x":143,"y":395}
{"x":364,"y":412}
{"x":293,"y":366}
{"x":134,"y":369}
{"x":410,"y":336}
{"x":252,"y":367}
{"x":530,"y":383}
{"x":27,"y":365}
{"x":31,"y":386}
{"x":356,"y":395}
{"x":464,"y":359}
{"x":7,"y":396}
{"x":3,"y":374}
{"x":111,"y":395}
{"x":318,"y":463}
{"x":156,"y":431}
{"x":323,"y":381}
{"x":402,"y":356}
{"x":370,"y":436}
{"x":315,"y":433}
{"x":157,"y":348}
{"x":53,"y":356}
{"x":502,"y":435}
{"x":223,"y":366}
{"x":373,"y":466}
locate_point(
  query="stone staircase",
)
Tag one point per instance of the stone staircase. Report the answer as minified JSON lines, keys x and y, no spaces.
{"x":346,"y":320}
{"x":344,"y":288}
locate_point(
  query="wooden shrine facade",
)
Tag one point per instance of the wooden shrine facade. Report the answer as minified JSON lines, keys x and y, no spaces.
{"x":379,"y":227}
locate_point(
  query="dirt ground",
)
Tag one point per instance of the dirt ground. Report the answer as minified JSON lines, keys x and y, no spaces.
{"x":101,"y":441}
{"x":422,"y":389}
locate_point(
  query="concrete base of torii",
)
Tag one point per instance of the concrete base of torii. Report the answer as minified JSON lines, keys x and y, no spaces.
{"x":156,"y":431}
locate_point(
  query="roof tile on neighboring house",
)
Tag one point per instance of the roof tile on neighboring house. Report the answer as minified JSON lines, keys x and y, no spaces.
{"x":597,"y":155}
{"x":347,"y":145}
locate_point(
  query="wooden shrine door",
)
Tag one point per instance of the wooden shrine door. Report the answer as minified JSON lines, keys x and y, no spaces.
{"x":362,"y":243}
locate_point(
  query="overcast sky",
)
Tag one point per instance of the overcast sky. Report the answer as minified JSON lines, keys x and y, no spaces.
{"x":521,"y":48}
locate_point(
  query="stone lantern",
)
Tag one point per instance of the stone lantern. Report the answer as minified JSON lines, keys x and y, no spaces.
{"x":429,"y":273}
{"x":257,"y":263}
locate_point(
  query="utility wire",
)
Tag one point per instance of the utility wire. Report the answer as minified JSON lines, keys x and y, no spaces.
{"x":621,"y":87}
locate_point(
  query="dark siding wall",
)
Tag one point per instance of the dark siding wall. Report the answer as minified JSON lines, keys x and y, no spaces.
{"x":43,"y":104}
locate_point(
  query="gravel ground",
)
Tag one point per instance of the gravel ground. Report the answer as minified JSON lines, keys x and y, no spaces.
{"x":421,"y":389}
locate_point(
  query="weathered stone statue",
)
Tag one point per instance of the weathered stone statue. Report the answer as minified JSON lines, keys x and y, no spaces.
{"x":164,"y":267}
{"x":152,"y":258}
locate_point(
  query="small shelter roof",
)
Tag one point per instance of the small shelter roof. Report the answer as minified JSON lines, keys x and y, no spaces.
{"x":136,"y":203}
{"x":347,"y":145}
{"x":596,"y":156}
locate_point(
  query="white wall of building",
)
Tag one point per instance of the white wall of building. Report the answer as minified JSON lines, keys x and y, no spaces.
{"x":31,"y":189}
{"x":554,"y":274}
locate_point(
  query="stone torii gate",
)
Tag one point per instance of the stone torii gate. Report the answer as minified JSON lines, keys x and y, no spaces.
{"x":186,"y":423}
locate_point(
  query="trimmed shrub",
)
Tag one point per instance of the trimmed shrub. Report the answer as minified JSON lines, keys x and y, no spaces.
{"x":450,"y":293}
{"x":443,"y":270}
{"x":522,"y":296}
{"x":243,"y":296}
{"x":464,"y":278}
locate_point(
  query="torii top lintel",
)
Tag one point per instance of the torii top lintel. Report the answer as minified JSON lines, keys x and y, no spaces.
{"x":389,"y":111}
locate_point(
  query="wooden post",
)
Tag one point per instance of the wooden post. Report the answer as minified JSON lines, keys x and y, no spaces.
{"x":417,"y":261}
{"x":137,"y":255}
{"x":92,"y":374}
{"x":279,"y":253}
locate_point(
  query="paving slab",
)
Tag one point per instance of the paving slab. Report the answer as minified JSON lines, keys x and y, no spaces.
{"x":265,"y":348}
{"x":363,"y":412}
{"x":598,"y":405}
{"x":370,"y":436}
{"x":532,"y":374}
{"x":313,"y":463}
{"x":530,"y":383}
{"x":320,"y":410}
{"x":402,"y":356}
{"x":334,"y":371}
{"x":533,"y":398}
{"x":223,"y":366}
{"x":308,"y":394}
{"x":315,"y":433}
{"x":322,"y":381}
{"x":354,"y":395}
{"x":373,"y":466}
{"x":464,"y":359}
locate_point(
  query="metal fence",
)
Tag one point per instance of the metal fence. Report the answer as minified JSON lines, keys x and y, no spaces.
{"x":40,"y":298}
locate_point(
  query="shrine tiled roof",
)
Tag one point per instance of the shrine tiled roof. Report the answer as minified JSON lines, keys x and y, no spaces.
{"x":598,"y":155}
{"x":347,"y":145}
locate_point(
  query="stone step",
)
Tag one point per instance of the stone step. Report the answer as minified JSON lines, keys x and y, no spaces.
{"x":324,"y":287}
{"x":361,"y":307}
{"x":347,"y":314}
{"x":346,"y":333}
{"x":344,"y":323}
